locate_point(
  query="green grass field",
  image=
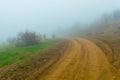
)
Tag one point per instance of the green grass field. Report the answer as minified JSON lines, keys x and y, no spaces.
{"x":11,"y":55}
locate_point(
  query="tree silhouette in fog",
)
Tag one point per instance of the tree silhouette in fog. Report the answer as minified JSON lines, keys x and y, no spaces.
{"x":27,"y":38}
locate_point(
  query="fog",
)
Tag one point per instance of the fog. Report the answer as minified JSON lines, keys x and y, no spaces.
{"x":48,"y":16}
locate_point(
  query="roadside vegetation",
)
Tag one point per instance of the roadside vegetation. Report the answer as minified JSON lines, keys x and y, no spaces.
{"x":9,"y":55}
{"x":24,"y":45}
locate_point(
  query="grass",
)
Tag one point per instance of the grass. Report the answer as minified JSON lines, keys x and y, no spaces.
{"x":10,"y":55}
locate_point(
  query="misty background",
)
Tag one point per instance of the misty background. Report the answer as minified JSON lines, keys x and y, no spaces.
{"x":49,"y":16}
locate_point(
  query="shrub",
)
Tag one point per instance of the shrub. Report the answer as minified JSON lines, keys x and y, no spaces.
{"x":27,"y":38}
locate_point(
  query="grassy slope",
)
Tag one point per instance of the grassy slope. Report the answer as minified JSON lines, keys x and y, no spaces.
{"x":16,"y":54}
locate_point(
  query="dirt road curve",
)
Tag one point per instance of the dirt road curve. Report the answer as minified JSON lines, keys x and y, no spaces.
{"x":82,"y":60}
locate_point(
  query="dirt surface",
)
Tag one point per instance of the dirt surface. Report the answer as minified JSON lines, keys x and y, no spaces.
{"x":82,"y":60}
{"x":78,"y":59}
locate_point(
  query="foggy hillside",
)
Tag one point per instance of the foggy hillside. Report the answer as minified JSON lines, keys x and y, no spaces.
{"x":109,"y":23}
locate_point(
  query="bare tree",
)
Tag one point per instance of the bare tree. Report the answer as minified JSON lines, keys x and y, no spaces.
{"x":27,"y":38}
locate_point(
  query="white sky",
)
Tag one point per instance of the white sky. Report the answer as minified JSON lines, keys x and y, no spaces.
{"x":45,"y":16}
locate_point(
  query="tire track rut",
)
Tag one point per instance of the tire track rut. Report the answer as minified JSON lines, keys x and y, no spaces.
{"x":82,"y":60}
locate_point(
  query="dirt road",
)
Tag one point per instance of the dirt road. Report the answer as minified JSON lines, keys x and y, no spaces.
{"x":82,"y":60}
{"x":69,"y":59}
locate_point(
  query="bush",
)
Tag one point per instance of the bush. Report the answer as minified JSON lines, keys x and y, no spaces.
{"x":27,"y":38}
